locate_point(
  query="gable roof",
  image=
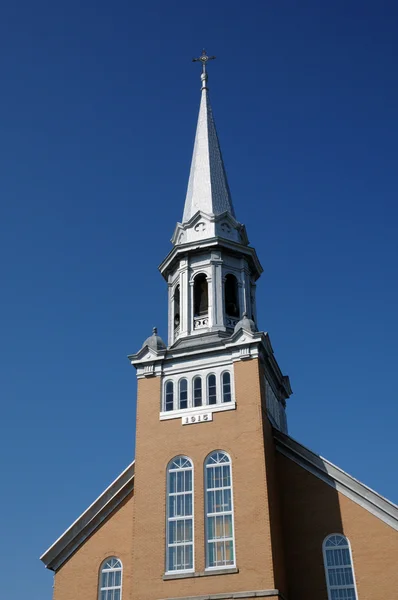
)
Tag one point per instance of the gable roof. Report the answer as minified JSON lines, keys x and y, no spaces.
{"x":90,"y":520}
{"x":341,"y":481}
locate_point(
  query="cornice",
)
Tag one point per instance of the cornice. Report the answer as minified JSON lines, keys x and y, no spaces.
{"x":213,"y":242}
{"x":242,"y":345}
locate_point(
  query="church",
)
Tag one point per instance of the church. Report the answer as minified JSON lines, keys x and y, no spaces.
{"x":220,"y":502}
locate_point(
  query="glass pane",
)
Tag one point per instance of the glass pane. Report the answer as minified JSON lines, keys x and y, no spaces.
{"x":111,"y":579}
{"x":188,"y":481}
{"x":117,"y":595}
{"x":218,"y":501}
{"x":228,"y":525}
{"x":183,"y":393}
{"x":217,"y":477}
{"x":227,"y":504}
{"x":179,"y":506}
{"x":188,"y":530}
{"x":197,"y":391}
{"x":188,"y":504}
{"x":210,"y":528}
{"x":104,"y":579}
{"x":172,"y":526}
{"x":210,"y":502}
{"x":180,"y":481}
{"x":179,"y":557}
{"x":172,"y":482}
{"x":229,"y":553}
{"x":211,"y":554}
{"x":209,"y":476}
{"x":219,"y":532}
{"x":179,"y":531}
{"x":172,"y":506}
{"x":226,"y":474}
{"x":118,"y":577}
{"x":172,"y":558}
{"x":212,"y":390}
{"x":189,"y":557}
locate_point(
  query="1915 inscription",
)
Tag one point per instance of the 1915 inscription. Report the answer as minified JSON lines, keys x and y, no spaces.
{"x":199,"y":418}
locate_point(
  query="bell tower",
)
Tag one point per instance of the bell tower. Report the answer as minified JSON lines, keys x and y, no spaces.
{"x":211,"y":270}
{"x":205,"y":518}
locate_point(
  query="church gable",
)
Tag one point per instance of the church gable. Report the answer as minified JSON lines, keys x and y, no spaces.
{"x":108,"y":549}
{"x":87,"y":524}
{"x":315,"y":504}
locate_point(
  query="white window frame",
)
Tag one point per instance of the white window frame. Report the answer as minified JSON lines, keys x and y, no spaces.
{"x":169,"y":380}
{"x":207,"y":398}
{"x":346,"y":546}
{"x":207,"y":465}
{"x":222,"y":387}
{"x":179,"y":392}
{"x":175,"y":519}
{"x":190,"y":376}
{"x":107,"y":589}
{"x":202,"y":396}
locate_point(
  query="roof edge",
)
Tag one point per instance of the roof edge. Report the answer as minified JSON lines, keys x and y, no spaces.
{"x":354,"y":489}
{"x":90,"y":519}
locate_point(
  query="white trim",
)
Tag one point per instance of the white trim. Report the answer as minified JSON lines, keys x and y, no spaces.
{"x":348,"y":545}
{"x":196,"y":410}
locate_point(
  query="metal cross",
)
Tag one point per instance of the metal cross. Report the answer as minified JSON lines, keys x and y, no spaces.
{"x":203,"y":58}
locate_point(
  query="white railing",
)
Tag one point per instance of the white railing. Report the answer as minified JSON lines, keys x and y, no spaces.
{"x":200,"y":322}
{"x":231,"y":321}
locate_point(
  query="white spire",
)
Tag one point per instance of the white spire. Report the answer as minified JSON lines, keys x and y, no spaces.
{"x":208,"y":189}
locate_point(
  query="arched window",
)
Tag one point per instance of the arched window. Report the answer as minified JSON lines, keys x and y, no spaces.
{"x":183,"y":393}
{"x":226,"y":387}
{"x":197,"y":391}
{"x":231,"y":296}
{"x":219,"y":511}
{"x":169,"y":396}
{"x":339,"y":571}
{"x":179,"y":535}
{"x":200,"y":294}
{"x":177,"y":307}
{"x":110,"y":580}
{"x":211,"y":389}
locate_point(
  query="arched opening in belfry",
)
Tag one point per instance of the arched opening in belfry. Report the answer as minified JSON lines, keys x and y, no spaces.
{"x":200,"y":295}
{"x":177,"y":307}
{"x":231,"y":296}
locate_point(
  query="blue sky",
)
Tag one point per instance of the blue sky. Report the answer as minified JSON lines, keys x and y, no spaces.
{"x":99,"y":103}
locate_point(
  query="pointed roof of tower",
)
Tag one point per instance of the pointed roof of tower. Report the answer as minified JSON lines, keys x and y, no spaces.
{"x":208,"y":189}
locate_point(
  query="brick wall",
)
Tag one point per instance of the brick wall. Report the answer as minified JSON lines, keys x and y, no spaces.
{"x":78,"y":578}
{"x":238,"y":432}
{"x":311,"y":510}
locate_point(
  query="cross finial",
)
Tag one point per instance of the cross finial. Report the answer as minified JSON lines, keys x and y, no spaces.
{"x":203,"y":58}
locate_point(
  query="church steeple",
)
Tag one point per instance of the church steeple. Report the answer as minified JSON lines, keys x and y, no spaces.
{"x":208,"y":209}
{"x":211,"y":270}
{"x":208,"y":189}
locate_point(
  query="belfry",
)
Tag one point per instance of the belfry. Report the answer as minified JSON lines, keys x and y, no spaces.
{"x":220,"y":501}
